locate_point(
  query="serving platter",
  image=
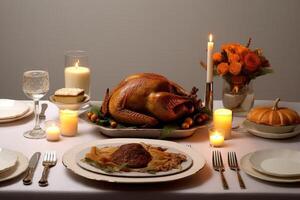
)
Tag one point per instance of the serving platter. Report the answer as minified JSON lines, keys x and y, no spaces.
{"x":69,"y":161}
{"x":130,"y":132}
{"x":270,"y":129}
{"x":184,"y":166}
{"x":268,"y":135}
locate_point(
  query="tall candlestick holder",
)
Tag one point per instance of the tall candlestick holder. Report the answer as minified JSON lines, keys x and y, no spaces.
{"x":209,"y":97}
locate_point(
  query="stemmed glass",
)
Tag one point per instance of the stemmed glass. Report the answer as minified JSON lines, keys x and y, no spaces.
{"x":35,"y":86}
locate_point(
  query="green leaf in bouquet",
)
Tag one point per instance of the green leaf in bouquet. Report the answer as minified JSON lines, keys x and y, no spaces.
{"x":261,"y":72}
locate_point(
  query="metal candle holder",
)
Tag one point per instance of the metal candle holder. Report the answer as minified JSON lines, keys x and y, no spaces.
{"x":209,"y":97}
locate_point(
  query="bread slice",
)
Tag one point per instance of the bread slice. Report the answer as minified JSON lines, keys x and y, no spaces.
{"x":69,"y":95}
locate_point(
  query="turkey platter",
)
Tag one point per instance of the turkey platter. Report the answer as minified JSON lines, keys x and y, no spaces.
{"x":149,"y":100}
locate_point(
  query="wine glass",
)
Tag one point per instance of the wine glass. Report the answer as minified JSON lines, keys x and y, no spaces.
{"x":35,"y":86}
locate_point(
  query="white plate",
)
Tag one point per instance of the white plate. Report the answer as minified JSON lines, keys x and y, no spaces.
{"x":8,"y":159}
{"x":277,"y":162}
{"x":69,"y":160}
{"x":271,"y":135}
{"x":18,"y":169}
{"x":246,"y":166}
{"x":12,"y":108}
{"x":270,"y":129}
{"x":142,"y":132}
{"x":28,"y":113}
{"x":70,"y":106}
{"x":81,"y":155}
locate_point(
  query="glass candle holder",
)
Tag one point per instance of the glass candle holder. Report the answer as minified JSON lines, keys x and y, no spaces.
{"x":52,"y":129}
{"x":223,"y":121}
{"x":77,"y":72}
{"x":216,"y":137}
{"x":68,"y":122}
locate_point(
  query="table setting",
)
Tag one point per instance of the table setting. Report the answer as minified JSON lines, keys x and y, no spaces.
{"x":149,"y":134}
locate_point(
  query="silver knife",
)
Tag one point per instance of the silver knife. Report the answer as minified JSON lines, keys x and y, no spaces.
{"x":31,"y":168}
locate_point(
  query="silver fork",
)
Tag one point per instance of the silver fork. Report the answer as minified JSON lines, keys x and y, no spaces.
{"x":233,"y":164}
{"x":48,"y":162}
{"x":219,"y":166}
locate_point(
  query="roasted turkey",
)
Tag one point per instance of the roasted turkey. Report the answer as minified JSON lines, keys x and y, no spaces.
{"x":146,"y":99}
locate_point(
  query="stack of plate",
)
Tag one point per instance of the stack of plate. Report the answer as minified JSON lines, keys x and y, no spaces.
{"x":12,"y":110}
{"x":275,"y":165}
{"x":12,"y":164}
{"x":73,"y":160}
{"x":271,"y":132}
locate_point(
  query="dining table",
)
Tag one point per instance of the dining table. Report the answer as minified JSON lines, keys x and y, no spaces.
{"x":206,"y":184}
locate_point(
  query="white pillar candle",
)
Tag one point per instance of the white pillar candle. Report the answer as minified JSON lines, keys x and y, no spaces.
{"x":209,"y":71}
{"x":77,"y":77}
{"x":53,"y":133}
{"x":223,"y":121}
{"x":216,"y":138}
{"x":68,"y":122}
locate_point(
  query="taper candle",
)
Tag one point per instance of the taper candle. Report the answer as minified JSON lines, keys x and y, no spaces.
{"x":209,"y":71}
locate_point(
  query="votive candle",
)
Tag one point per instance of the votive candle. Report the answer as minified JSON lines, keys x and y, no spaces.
{"x":216,"y":138}
{"x":52,"y":131}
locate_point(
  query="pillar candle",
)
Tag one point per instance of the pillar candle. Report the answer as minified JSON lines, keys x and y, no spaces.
{"x":223,"y":121}
{"x":77,"y":77}
{"x":68,"y":122}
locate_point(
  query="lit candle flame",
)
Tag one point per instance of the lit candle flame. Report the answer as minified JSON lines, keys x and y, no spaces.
{"x":210,"y":37}
{"x":77,"y":63}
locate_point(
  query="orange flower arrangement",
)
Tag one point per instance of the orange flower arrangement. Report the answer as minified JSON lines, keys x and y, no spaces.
{"x":238,"y":64}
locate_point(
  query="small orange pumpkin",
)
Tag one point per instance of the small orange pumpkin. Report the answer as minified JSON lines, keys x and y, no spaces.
{"x":274,"y":116}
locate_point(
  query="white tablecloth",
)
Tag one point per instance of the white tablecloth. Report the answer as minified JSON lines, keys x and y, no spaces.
{"x":204,"y":185}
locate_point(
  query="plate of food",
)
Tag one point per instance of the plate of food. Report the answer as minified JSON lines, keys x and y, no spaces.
{"x":150,"y":106}
{"x":128,"y":160}
{"x":133,"y":160}
{"x":69,"y":98}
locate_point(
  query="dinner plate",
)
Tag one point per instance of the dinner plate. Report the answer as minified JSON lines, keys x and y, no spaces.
{"x":246,"y":166}
{"x":267,"y":135}
{"x":69,"y":161}
{"x":8,"y":159}
{"x":11,"y":108}
{"x":277,"y":162}
{"x":28,"y":113}
{"x":18,"y":169}
{"x":184,"y":166}
{"x":70,"y":106}
{"x":142,"y":132}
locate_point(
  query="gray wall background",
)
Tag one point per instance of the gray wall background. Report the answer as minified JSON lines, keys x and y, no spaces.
{"x":162,"y":36}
